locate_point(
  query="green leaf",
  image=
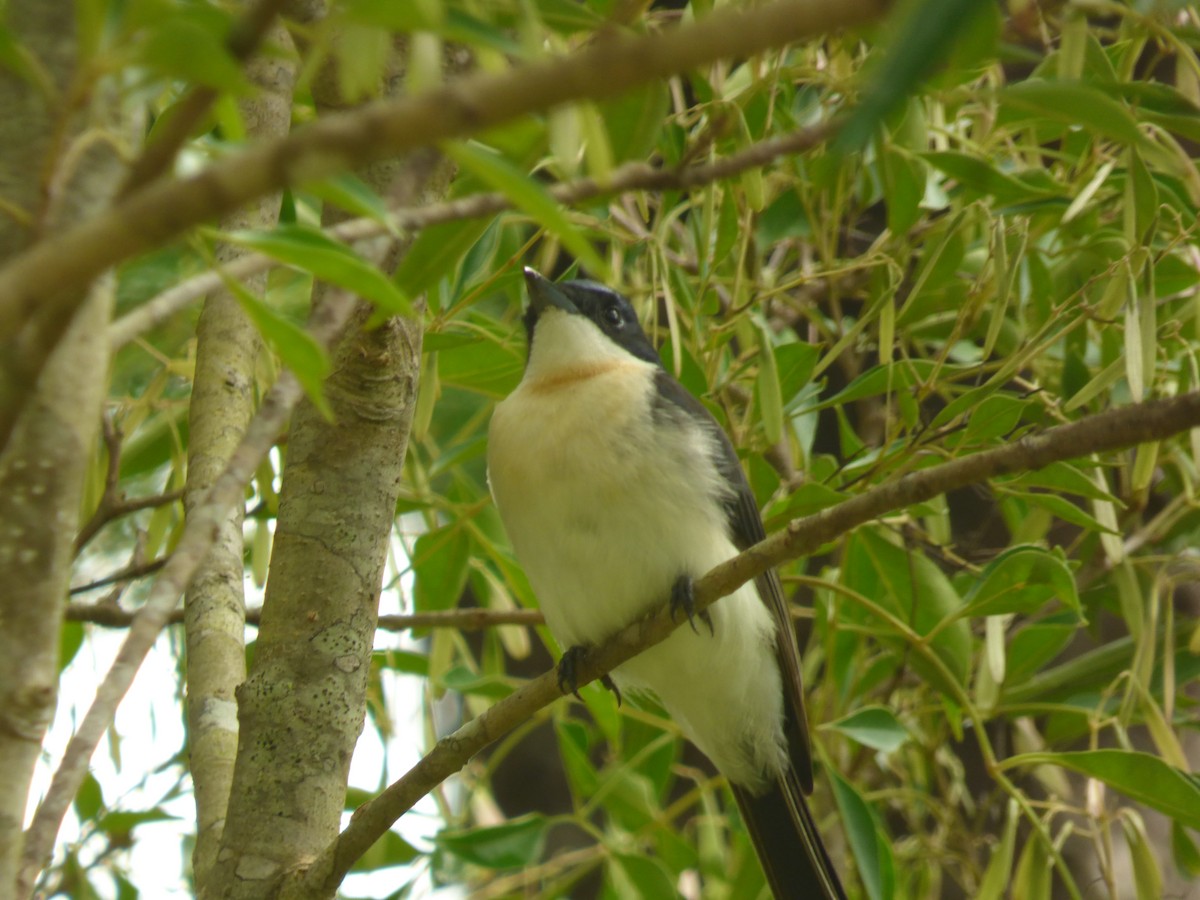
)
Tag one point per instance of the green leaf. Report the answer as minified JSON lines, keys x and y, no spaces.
{"x":394,"y":16}
{"x":389,"y":850}
{"x":920,"y":41}
{"x":1142,"y":777}
{"x":628,"y":797}
{"x":527,"y":195}
{"x":466,"y":681}
{"x":904,"y":188}
{"x":636,"y":120}
{"x":118,"y":825}
{"x":915,"y":591}
{"x":873,"y":726}
{"x":1060,"y":476}
{"x":868,"y":840}
{"x":1031,"y":881}
{"x":770,"y":400}
{"x":1184,"y":851}
{"x":893,"y":378}
{"x":1065,"y":510}
{"x":437,"y":251}
{"x":1147,"y":878}
{"x":311,"y":251}
{"x":349,"y":192}
{"x":297,"y":348}
{"x":981,"y":177}
{"x":995,"y":417}
{"x":640,"y":877}
{"x":575,"y":750}
{"x":1035,"y":645}
{"x":70,"y":639}
{"x":1022,"y":580}
{"x":484,"y":367}
{"x":517,"y":842}
{"x":192,"y":48}
{"x":1074,"y":103}
{"x":999,"y":871}
{"x":89,"y":799}
{"x":807,"y":499}
{"x":795,"y":361}
{"x":440,"y":567}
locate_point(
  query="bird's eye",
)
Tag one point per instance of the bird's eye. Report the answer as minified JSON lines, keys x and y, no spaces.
{"x":612,"y":316}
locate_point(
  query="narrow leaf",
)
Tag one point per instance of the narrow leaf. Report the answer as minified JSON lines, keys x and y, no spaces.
{"x":873,"y":726}
{"x":297,"y":348}
{"x":311,"y":251}
{"x":527,"y":195}
{"x":1140,"y":776}
{"x":871,"y":848}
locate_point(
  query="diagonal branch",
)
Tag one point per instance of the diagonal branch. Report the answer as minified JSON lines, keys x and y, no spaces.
{"x":38,"y":279}
{"x":1114,"y":430}
{"x":109,"y":615}
{"x":629,"y":177}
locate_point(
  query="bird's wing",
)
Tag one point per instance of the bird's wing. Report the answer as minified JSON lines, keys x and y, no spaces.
{"x":746,"y":529}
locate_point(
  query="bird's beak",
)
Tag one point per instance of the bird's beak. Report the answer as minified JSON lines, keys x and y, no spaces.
{"x":544,"y":294}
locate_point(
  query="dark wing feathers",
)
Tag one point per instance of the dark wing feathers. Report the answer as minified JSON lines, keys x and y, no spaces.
{"x":746,"y":529}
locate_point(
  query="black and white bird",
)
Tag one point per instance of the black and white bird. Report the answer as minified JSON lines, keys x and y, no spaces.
{"x":617,"y":488}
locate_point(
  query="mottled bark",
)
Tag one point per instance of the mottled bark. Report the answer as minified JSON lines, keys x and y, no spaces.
{"x":43,"y":463}
{"x":303,"y":706}
{"x":29,"y":108}
{"x":223,"y":400}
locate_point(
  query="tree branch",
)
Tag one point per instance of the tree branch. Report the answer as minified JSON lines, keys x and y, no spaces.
{"x":1114,"y":430}
{"x":629,"y":177}
{"x":110,"y":616}
{"x":39,"y":279}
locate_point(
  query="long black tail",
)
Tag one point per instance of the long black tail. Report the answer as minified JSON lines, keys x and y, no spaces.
{"x":790,"y":848}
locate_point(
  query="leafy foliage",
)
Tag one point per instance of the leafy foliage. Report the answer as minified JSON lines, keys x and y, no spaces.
{"x":1003,"y":682}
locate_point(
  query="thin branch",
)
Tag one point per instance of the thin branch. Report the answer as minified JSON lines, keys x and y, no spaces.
{"x":160,"y":152}
{"x":198,"y":534}
{"x":113,"y":504}
{"x":131,"y":572}
{"x":40,"y":279}
{"x":1114,"y":430}
{"x":629,"y":177}
{"x":110,"y":616}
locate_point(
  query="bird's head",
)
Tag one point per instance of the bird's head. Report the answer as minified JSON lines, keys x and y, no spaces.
{"x":581,"y":323}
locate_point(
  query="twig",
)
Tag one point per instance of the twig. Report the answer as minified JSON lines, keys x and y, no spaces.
{"x":113,"y":503}
{"x":131,"y":572}
{"x":1114,"y":430}
{"x":629,"y":177}
{"x":105,"y":613}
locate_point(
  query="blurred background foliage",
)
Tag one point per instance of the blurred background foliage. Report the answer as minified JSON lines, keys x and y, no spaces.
{"x":1003,"y":682}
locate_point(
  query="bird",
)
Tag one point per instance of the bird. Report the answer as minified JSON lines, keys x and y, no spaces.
{"x":617,"y":489}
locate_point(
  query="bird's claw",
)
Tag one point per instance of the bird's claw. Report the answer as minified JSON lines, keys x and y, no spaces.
{"x":683,"y":600}
{"x":568,"y":680}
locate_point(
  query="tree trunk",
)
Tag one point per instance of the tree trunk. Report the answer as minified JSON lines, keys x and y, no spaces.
{"x":223,"y":400}
{"x":56,"y":171}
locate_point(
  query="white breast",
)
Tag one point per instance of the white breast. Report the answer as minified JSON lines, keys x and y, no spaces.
{"x":604,"y":514}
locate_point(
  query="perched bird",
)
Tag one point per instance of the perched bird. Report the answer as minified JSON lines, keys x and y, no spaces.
{"x":617,"y":488}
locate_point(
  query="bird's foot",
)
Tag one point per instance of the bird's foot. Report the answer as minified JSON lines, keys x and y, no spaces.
{"x":683,"y":600}
{"x":568,"y":680}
